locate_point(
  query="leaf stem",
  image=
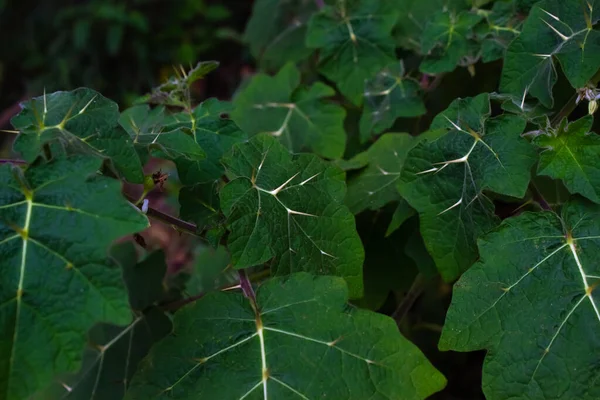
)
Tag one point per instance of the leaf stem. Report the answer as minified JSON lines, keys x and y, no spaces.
{"x":539,"y":198}
{"x":178,"y":224}
{"x":10,"y":161}
{"x":409,"y":299}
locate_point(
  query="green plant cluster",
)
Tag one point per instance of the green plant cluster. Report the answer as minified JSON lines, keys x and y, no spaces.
{"x":278,"y":182}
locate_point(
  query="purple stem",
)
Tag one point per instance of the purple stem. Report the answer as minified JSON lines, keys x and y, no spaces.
{"x":8,"y":161}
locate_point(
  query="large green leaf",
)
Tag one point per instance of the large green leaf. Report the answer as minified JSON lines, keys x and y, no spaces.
{"x":375,"y":186}
{"x":531,"y":301}
{"x":82,"y":120}
{"x":113,"y":352}
{"x":446,"y":40}
{"x":412,"y":20}
{"x":444,"y":178}
{"x":276,"y":31}
{"x":388,"y":96}
{"x":355,"y":42}
{"x":502,"y":26}
{"x":289,"y":208}
{"x":299,"y":117}
{"x":555,"y":29}
{"x":572,"y":153}
{"x":297,"y":340}
{"x":56,"y":222}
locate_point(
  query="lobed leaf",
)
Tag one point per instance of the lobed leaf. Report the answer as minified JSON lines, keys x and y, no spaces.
{"x":531,"y":301}
{"x":355,"y":42}
{"x":290,"y":209}
{"x":445,"y":175}
{"x":375,"y":186}
{"x":571,"y":153}
{"x":297,"y":340}
{"x":56,"y":222}
{"x":276,"y":31}
{"x":299,"y":117}
{"x":82,"y":120}
{"x":388,"y":96}
{"x":555,"y":29}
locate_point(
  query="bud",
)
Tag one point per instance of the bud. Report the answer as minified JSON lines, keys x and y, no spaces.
{"x":592,"y":107}
{"x":148,"y":183}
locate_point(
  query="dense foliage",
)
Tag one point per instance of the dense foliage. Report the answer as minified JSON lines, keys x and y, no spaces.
{"x":344,"y":187}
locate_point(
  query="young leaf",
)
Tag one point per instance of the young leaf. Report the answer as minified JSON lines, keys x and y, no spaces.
{"x":276,"y":31}
{"x":502,"y":27}
{"x":531,"y":301}
{"x":297,"y":340}
{"x":289,"y":208}
{"x":388,"y":96}
{"x":571,"y":153}
{"x":56,"y":221}
{"x":446,"y":40}
{"x":375,"y":186}
{"x":83,"y":120}
{"x":299,"y":117}
{"x":555,"y":29}
{"x":149,"y":129}
{"x":354,"y":37}
{"x":195,"y":141}
{"x":444,"y":178}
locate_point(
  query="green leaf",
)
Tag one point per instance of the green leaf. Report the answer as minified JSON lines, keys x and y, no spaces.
{"x":355,"y":42}
{"x":299,"y":117}
{"x":502,"y":26}
{"x":276,"y":31}
{"x":555,"y":29}
{"x":56,"y":222}
{"x":287,"y":344}
{"x":571,"y":153}
{"x":446,"y":40}
{"x":149,"y":129}
{"x":388,"y":96}
{"x":403,"y":212}
{"x":200,"y":205}
{"x":114,"y":352}
{"x":375,"y":186}
{"x":444,"y":178}
{"x":531,"y":301}
{"x":211,"y":270}
{"x":289,"y":208}
{"x":413,"y":18}
{"x":82,"y":120}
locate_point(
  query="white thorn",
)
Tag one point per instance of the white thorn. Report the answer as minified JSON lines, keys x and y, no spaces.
{"x":293,"y":212}
{"x":551,"y":15}
{"x":303,"y":182}
{"x":452,"y":206}
{"x":145,"y":206}
{"x":563,"y":37}
{"x":427,"y":171}
{"x":275,"y":191}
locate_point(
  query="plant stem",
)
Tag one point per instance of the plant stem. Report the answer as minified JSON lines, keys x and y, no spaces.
{"x":9,"y":161}
{"x":180,"y":225}
{"x":570,"y":105}
{"x":539,"y":198}
{"x":409,"y":299}
{"x":176,"y":305}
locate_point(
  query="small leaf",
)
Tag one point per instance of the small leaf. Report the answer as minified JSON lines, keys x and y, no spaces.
{"x":289,"y":208}
{"x":503,"y":24}
{"x":276,"y":31}
{"x":531,"y":302}
{"x":444,"y":178}
{"x":355,"y":42}
{"x":287,"y":344}
{"x":571,"y":154}
{"x":446,"y":40}
{"x":299,"y":117}
{"x":375,"y":186}
{"x":150,"y":129}
{"x":56,"y":222}
{"x":555,"y":29}
{"x":388,"y":96}
{"x":82,"y":120}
